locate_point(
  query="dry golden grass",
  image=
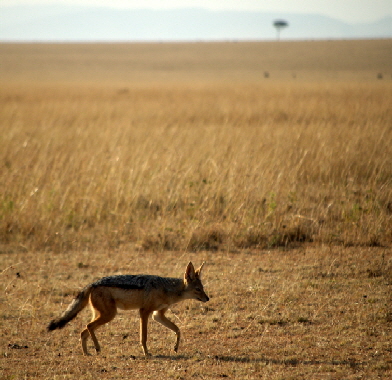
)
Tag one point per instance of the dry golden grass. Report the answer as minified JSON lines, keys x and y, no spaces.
{"x":136,"y":158}
{"x":166,"y":166}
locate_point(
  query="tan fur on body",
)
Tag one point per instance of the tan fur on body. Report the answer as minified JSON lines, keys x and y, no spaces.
{"x":149,"y":294}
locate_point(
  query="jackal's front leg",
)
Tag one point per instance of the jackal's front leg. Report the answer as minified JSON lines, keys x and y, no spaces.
{"x":144,"y":315}
{"x":160,"y":317}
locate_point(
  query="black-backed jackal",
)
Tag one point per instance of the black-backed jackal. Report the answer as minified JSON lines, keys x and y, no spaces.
{"x":149,"y":294}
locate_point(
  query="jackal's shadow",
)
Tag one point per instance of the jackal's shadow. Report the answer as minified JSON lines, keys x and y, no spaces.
{"x":287,"y":362}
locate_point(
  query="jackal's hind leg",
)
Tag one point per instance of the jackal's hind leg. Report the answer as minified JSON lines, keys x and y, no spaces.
{"x":83,"y":336}
{"x":106,"y":310}
{"x":160,"y":317}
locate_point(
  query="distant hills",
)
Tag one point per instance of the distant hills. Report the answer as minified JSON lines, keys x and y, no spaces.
{"x":71,"y":23}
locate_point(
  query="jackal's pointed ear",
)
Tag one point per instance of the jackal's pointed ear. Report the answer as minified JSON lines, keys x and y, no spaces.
{"x":198,"y":270}
{"x":190,"y":274}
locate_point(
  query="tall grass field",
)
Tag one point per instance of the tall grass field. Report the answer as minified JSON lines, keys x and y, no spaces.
{"x":171,"y":162}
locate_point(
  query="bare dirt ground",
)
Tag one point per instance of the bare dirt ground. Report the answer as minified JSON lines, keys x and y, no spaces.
{"x":311,"y":312}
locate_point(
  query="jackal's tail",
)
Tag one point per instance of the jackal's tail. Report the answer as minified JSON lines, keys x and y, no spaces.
{"x":77,"y":305}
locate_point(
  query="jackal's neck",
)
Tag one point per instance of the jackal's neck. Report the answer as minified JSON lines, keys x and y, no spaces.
{"x":174,"y":287}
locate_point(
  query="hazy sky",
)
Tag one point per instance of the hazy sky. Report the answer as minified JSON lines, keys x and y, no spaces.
{"x":351,"y":11}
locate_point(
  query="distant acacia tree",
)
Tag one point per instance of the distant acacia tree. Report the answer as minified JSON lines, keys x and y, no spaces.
{"x":279,"y":25}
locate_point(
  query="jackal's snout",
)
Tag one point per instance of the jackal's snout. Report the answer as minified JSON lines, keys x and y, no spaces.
{"x":201,"y":295}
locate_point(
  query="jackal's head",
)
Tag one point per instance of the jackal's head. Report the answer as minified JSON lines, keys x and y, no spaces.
{"x":193,"y":286}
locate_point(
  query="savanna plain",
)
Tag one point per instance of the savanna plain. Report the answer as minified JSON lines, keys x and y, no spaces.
{"x":271,"y":161}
